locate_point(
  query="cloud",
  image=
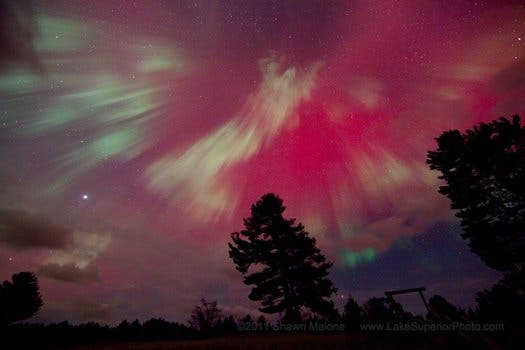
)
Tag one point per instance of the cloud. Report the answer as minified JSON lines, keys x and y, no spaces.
{"x":261,"y":118}
{"x":86,"y":309}
{"x":368,"y":92}
{"x":369,"y":212}
{"x":87,"y":246}
{"x":23,"y":230}
{"x":69,"y":273}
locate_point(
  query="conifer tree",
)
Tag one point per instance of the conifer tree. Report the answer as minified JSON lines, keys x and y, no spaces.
{"x":280,"y":259}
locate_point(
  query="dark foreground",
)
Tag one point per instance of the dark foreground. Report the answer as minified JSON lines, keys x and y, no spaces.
{"x":351,"y":341}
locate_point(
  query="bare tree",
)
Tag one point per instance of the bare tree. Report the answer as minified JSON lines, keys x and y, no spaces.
{"x":204,"y":317}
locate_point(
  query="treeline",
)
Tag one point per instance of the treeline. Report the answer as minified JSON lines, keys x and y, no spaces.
{"x":207,"y":320}
{"x":63,"y":334}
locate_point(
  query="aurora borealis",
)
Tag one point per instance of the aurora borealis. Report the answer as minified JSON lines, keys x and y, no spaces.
{"x":134,"y":136}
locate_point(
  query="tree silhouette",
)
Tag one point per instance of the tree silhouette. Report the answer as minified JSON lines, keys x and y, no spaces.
{"x":246,"y":319}
{"x":289,"y":272}
{"x":484,"y":173}
{"x":19,"y":299}
{"x":204,"y":317}
{"x":385,"y":310}
{"x":226,"y":326}
{"x":441,"y":309}
{"x":505,"y":300}
{"x":352,"y":315}
{"x":262,"y":322}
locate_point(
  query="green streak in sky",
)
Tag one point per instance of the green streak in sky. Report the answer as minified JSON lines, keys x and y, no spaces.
{"x":60,"y":35}
{"x":156,"y":57}
{"x":155,"y":64}
{"x":108,"y":99}
{"x":114,"y":143}
{"x":353,"y":259}
{"x":56,"y":116}
{"x":19,"y":82}
{"x":90,"y":80}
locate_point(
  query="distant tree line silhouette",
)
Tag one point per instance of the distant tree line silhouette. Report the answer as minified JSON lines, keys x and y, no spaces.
{"x":376,"y":310}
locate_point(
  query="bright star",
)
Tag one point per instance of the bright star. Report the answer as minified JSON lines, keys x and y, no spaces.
{"x":85,"y":196}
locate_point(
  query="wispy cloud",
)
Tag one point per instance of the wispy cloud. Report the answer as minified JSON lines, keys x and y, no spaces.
{"x":23,"y":230}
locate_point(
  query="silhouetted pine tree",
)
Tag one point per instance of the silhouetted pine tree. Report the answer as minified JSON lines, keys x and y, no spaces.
{"x":289,"y":270}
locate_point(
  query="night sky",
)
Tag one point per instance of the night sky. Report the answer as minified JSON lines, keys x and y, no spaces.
{"x":135,"y":135}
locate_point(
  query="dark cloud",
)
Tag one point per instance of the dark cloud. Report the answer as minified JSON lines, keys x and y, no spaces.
{"x":86,"y":309}
{"x":69,"y":273}
{"x":23,"y":230}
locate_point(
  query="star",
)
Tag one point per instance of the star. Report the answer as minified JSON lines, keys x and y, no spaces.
{"x":85,"y":197}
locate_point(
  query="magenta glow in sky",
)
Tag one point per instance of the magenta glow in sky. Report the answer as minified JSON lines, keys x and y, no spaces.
{"x":135,"y":136}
